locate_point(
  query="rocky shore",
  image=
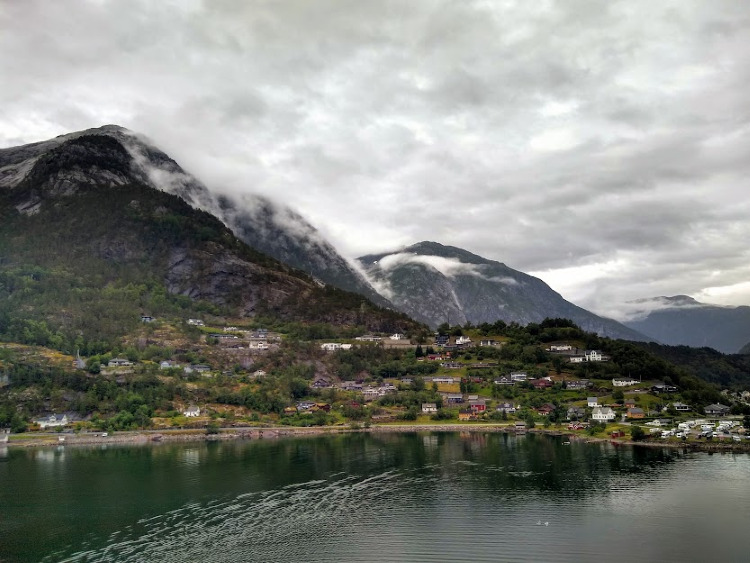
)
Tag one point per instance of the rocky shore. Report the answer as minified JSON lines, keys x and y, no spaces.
{"x":259,"y":433}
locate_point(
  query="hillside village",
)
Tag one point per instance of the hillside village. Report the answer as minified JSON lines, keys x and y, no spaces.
{"x":157,"y":316}
{"x":198,"y":374}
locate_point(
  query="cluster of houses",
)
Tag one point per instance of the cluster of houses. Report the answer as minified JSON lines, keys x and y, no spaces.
{"x":334,"y":346}
{"x":369,"y":392}
{"x":522,"y":377}
{"x":588,"y":356}
{"x":444,"y":342}
{"x":475,"y":405}
{"x":575,"y":357}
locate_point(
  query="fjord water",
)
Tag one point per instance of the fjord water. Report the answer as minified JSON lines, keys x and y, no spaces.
{"x":374,"y":497}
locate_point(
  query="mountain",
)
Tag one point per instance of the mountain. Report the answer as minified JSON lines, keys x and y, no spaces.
{"x":681,"y":320}
{"x":273,"y":229}
{"x":88,"y":244}
{"x":435,"y":284}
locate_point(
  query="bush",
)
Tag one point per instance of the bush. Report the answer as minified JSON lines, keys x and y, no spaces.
{"x":410,"y":414}
{"x":443,"y":414}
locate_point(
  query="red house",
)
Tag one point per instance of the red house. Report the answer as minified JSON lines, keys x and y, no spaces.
{"x":478,"y":405}
{"x":546,"y":409}
{"x":541,"y":383}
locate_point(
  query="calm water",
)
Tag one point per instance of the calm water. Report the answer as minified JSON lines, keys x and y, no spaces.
{"x":405,"y":497}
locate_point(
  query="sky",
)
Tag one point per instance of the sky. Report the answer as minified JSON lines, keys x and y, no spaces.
{"x":601,"y":146}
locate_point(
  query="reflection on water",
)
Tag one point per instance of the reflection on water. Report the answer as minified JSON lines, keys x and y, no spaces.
{"x":384,"y":497}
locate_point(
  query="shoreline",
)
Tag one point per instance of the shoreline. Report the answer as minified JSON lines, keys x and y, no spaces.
{"x":144,"y":437}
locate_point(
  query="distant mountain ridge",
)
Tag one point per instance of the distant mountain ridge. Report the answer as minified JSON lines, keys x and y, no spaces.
{"x":273,"y":229}
{"x":434,"y":284}
{"x":681,"y":320}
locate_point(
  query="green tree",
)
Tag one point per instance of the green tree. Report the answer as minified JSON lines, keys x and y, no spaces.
{"x":530,"y":421}
{"x":637,"y":433}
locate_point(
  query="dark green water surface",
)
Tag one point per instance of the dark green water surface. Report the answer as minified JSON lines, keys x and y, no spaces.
{"x":416,"y":497}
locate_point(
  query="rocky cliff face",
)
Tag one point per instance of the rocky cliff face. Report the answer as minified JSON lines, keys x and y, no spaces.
{"x":681,"y":320}
{"x":270,"y":228}
{"x":436,"y":284}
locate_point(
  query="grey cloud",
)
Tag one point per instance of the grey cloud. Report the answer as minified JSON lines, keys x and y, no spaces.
{"x":389,"y":122}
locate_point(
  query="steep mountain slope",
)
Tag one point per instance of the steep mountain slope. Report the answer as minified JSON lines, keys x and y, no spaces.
{"x":435,"y":284}
{"x":273,"y":229}
{"x":87,"y":245}
{"x":681,"y":320}
{"x":284,"y":234}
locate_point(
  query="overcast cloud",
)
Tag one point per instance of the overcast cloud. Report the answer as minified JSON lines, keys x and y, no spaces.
{"x":602,"y":146}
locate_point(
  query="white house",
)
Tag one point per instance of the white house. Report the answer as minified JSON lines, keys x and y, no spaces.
{"x":624,"y":381}
{"x":560,"y":348}
{"x":603,"y":414}
{"x":52,"y":420}
{"x":518,"y":376}
{"x":330,"y":346}
{"x":504,"y":381}
{"x":577,"y":359}
{"x":463,"y":340}
{"x":118,"y":362}
{"x":195,"y":322}
{"x":443,"y":380}
{"x":371,"y":394}
{"x":594,"y":356}
{"x":429,"y":408}
{"x":397,"y":336}
{"x":192,"y":411}
{"x":592,"y":402}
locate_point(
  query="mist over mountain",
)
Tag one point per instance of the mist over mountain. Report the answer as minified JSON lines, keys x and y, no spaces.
{"x":284,"y":234}
{"x":434,"y":284}
{"x":681,"y":320}
{"x":271,"y":228}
